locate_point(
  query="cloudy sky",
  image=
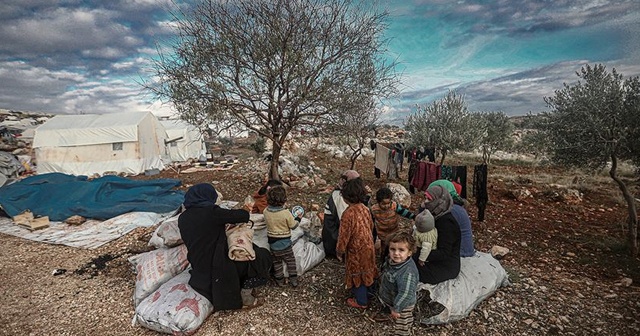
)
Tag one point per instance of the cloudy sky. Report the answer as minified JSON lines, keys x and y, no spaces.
{"x":73,"y":56}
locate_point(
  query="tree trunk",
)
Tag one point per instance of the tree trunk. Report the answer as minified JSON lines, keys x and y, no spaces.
{"x":275,"y":157}
{"x":631,"y":207}
{"x":444,"y":155}
{"x":354,"y":157}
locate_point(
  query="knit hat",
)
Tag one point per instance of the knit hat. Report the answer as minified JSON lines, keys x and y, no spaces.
{"x":425,"y":221}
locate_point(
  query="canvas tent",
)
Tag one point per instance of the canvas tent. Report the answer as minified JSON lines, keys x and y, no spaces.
{"x":128,"y":142}
{"x":185,"y":140}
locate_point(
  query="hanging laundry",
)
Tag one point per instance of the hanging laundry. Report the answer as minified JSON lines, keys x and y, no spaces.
{"x":460,"y":176}
{"x":480,"y":189}
{"x":382,"y":158}
{"x":446,"y":172}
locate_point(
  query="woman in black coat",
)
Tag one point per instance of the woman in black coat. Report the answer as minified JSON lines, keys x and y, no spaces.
{"x":225,"y":283}
{"x":443,"y":263}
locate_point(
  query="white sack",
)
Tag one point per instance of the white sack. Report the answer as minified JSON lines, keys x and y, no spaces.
{"x":154,"y":268}
{"x":167,"y":234}
{"x":480,"y":276}
{"x":307,"y":254}
{"x":175,"y":308}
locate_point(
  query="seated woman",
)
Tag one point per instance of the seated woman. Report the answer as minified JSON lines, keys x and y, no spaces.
{"x":225,"y":283}
{"x":461,"y":215}
{"x":442,"y":263}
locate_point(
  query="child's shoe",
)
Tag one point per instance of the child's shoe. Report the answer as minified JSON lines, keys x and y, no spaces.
{"x":280,"y":282}
{"x":293,"y":281}
{"x":351,"y":302}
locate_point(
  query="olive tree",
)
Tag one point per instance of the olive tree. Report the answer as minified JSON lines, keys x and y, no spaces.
{"x":445,"y":124}
{"x":273,"y":65}
{"x":595,"y":123}
{"x":495,"y":132}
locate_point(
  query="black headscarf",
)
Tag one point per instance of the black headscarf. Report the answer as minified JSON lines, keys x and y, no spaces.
{"x":200,"y":196}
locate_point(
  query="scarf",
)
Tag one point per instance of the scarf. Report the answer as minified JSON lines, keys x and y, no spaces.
{"x":200,"y":196}
{"x":438,"y":201}
{"x":448,"y":185}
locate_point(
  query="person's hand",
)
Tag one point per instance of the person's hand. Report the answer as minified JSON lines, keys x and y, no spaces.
{"x":394,"y":314}
{"x":339,"y":256}
{"x":368,"y":189}
{"x":420,"y":262}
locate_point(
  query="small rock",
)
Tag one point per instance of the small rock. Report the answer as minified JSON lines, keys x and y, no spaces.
{"x":58,"y":271}
{"x":626,"y":282}
{"x":499,"y":252}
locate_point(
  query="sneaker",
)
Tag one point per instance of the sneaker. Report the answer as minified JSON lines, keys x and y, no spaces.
{"x":280,"y":282}
{"x":293,"y":281}
{"x":351,"y":302}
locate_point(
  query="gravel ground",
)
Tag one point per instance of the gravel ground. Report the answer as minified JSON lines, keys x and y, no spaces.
{"x":569,"y":274}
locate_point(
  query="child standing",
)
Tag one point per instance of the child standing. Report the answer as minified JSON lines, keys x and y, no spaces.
{"x":425,"y":234}
{"x":280,"y":222}
{"x":399,"y":281}
{"x":355,"y":244}
{"x":386,"y":215}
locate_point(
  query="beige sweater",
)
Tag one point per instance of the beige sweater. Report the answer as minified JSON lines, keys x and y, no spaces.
{"x":280,"y":222}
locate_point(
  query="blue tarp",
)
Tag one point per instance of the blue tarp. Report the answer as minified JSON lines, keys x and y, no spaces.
{"x":61,"y":196}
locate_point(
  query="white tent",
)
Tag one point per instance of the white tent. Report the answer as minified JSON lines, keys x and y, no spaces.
{"x":185,"y":140}
{"x":129,"y":142}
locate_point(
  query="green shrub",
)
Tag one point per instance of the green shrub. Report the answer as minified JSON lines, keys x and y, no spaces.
{"x":259,"y":146}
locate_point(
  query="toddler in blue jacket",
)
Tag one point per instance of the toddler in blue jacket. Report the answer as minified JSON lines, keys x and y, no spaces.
{"x":399,"y":281}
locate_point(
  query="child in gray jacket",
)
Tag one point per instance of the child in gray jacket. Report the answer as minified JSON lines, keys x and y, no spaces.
{"x":399,"y":281}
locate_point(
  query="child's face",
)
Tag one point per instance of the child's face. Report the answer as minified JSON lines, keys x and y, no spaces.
{"x":399,"y":252}
{"x":385,"y":204}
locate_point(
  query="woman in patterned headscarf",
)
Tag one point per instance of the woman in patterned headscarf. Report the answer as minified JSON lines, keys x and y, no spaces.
{"x":443,"y":263}
{"x":461,"y":215}
{"x":225,"y":283}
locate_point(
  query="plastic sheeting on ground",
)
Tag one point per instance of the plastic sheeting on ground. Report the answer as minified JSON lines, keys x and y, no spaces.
{"x":61,"y":196}
{"x":90,"y":234}
{"x":480,"y":276}
{"x":9,"y":165}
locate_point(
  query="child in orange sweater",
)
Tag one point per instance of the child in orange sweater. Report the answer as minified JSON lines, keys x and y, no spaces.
{"x":386,"y":215}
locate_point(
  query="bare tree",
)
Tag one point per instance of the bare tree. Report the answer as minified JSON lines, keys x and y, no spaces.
{"x":354,"y":126}
{"x":597,"y":122}
{"x":273,"y":65}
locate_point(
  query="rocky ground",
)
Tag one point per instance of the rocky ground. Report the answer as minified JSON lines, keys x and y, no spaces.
{"x":569,"y":270}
